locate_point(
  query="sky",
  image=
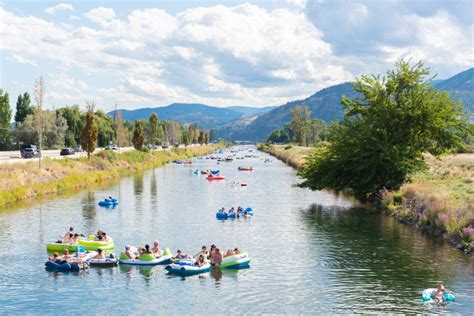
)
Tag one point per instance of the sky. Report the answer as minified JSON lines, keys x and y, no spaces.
{"x":258,"y":53}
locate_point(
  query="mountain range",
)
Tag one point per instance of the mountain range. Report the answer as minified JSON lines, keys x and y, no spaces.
{"x":204,"y":116}
{"x":255,"y":124}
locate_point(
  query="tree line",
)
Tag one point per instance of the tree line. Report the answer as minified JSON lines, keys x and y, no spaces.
{"x":65,"y":126}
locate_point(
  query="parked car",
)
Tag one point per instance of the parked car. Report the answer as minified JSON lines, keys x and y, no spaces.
{"x":29,"y":151}
{"x":77,"y":149}
{"x":176,"y":145}
{"x":66,"y":151}
{"x":165,"y":145}
{"x":111,"y":147}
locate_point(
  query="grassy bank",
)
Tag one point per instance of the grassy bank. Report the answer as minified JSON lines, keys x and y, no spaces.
{"x":439,"y":200}
{"x":26,"y":181}
{"x":290,"y":154}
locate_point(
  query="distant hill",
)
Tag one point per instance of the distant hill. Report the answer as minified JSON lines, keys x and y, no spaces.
{"x":325,"y":105}
{"x":204,"y":116}
{"x":460,"y":87}
{"x":249,"y":110}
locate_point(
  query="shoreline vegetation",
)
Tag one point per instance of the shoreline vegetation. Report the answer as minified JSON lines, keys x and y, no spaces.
{"x":439,"y":201}
{"x":26,"y":181}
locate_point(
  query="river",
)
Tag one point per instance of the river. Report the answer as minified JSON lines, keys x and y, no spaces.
{"x":311,"y":252}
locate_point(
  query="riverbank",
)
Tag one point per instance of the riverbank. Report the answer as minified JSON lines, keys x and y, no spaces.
{"x":439,"y":201}
{"x":26,"y":181}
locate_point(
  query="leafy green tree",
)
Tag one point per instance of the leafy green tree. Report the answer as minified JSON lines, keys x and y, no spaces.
{"x":75,"y":123}
{"x":138,"y":139}
{"x":201,"y":138}
{"x":106,"y":128}
{"x":89,"y":134}
{"x":283,"y":135}
{"x":385,"y":132}
{"x":300,"y":123}
{"x":23,"y":107}
{"x":153,"y":128}
{"x":5,"y":118}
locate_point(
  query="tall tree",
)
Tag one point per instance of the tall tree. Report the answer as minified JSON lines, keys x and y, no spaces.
{"x":23,"y":107}
{"x":153,"y":128}
{"x":89,"y":133}
{"x":300,"y":123}
{"x":385,"y":133}
{"x":201,"y":138}
{"x":39,"y":90}
{"x":185,"y":138}
{"x":138,"y":136}
{"x":5,"y":118}
{"x":121,"y":141}
{"x":212,"y":135}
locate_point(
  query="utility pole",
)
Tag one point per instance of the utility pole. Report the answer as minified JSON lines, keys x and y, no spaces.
{"x":38,"y":89}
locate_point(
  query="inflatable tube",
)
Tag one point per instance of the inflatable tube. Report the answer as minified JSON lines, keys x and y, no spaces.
{"x":204,"y":172}
{"x":112,"y":202}
{"x":196,"y":172}
{"x":427,"y":296}
{"x":105,"y":262}
{"x":59,"y":247}
{"x":220,"y":215}
{"x":95,"y":244}
{"x":144,"y":260}
{"x":53,"y":266}
{"x":239,"y":261}
{"x":185,"y":269}
{"x":188,"y":260}
{"x":211,"y":177}
{"x":215,"y":171}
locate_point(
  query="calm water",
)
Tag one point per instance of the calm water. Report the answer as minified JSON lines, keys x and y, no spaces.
{"x":311,"y":251}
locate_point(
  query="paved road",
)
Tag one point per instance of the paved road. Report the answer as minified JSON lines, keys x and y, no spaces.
{"x":15,"y":157}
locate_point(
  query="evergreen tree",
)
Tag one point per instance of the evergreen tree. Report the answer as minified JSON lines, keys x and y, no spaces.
{"x":23,"y":107}
{"x":138,"y":137}
{"x":89,"y":134}
{"x":153,"y":129}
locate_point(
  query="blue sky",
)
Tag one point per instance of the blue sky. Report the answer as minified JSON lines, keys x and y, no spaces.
{"x":221,"y":53}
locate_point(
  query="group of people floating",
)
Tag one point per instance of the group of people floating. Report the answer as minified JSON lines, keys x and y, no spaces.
{"x":214,"y":255}
{"x":70,"y":237}
{"x":237,"y":212}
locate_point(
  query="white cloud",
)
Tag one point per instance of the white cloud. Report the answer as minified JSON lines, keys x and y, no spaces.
{"x":225,"y":55}
{"x":59,"y":7}
{"x":101,"y":15}
{"x":22,"y":60}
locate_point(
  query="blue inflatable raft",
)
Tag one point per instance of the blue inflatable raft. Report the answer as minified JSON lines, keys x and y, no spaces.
{"x":220,"y":215}
{"x":51,"y":265}
{"x":107,"y":202}
{"x":187,"y":269}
